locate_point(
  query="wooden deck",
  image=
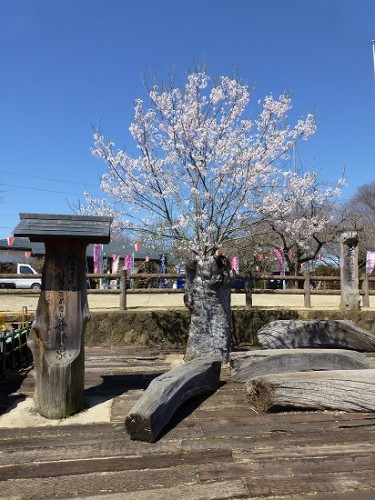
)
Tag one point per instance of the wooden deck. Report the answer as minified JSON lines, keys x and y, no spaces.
{"x":213,"y":449}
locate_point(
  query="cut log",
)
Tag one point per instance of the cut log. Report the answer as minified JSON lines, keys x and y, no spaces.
{"x":167,"y":392}
{"x":247,"y":365}
{"x":345,"y":390}
{"x":292,"y":334}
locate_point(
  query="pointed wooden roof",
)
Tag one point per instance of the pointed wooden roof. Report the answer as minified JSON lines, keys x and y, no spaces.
{"x":39,"y":227}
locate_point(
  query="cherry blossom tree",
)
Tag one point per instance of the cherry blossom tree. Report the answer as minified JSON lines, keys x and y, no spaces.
{"x":203,"y":172}
{"x":302,"y":215}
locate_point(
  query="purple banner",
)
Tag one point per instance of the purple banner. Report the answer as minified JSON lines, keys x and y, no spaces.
{"x":97,"y":258}
{"x":128,"y":263}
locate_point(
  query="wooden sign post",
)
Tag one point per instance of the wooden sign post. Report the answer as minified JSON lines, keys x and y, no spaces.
{"x":57,"y":333}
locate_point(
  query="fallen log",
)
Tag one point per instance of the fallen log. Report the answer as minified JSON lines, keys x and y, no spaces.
{"x":250,"y":364}
{"x":167,"y":392}
{"x":345,"y":390}
{"x":292,"y":334}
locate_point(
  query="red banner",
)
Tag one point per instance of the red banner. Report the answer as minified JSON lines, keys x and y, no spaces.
{"x":280,"y":257}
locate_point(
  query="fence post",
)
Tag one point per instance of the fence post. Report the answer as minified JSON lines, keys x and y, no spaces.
{"x":366,"y":295}
{"x":249,"y":291}
{"x":307,"y":290}
{"x":123,"y":279}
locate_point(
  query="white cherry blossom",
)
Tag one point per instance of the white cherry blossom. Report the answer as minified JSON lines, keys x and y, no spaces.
{"x":203,"y":167}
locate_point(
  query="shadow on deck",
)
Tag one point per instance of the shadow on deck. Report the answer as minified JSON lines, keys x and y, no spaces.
{"x":217,"y":447}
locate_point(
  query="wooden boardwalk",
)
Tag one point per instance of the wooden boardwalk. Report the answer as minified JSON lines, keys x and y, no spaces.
{"x":215,"y":448}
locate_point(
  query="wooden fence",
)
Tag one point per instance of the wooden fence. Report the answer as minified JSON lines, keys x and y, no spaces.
{"x":256,"y":283}
{"x":124,"y":284}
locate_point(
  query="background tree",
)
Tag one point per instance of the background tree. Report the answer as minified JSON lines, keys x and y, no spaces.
{"x":361,"y":218}
{"x":200,"y":176}
{"x":361,"y":209}
{"x":302,"y":215}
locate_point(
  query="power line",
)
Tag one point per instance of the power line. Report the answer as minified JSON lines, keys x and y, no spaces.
{"x":47,"y":179}
{"x":40,"y":189}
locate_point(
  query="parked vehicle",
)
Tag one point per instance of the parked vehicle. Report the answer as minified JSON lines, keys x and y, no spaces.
{"x":275,"y":284}
{"x":28,"y":281}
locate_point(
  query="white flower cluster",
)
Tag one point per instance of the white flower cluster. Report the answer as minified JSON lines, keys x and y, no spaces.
{"x":299,"y":207}
{"x":202,"y":167}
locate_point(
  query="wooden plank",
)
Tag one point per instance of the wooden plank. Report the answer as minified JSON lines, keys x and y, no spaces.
{"x":285,"y":467}
{"x":211,"y":451}
{"x":110,"y":464}
{"x":96,"y":483}
{"x":287,"y":486}
{"x":218,"y":489}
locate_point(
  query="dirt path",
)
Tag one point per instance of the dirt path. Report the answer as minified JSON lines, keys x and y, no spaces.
{"x":13,"y":303}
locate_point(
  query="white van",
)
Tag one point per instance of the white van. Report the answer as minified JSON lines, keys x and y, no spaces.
{"x":25,"y":269}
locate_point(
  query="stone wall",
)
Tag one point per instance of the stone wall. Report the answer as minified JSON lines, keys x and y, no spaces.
{"x":169,"y":328}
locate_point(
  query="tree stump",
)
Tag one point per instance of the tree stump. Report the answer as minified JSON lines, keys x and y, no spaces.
{"x":247,"y":365}
{"x":292,"y":334}
{"x":344,"y":390}
{"x":167,"y":393}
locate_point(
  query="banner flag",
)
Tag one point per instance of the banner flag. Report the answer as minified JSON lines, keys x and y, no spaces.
{"x":10,"y":240}
{"x":115,"y":263}
{"x":97,"y":258}
{"x":137,"y":246}
{"x":235,"y":264}
{"x":280,"y":257}
{"x":128,"y":263}
{"x":370,"y":262}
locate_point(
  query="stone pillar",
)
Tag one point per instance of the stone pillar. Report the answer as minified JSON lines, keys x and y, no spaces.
{"x":350,"y":297}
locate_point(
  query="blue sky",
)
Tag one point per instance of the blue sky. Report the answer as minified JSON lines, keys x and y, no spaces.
{"x":67,"y":66}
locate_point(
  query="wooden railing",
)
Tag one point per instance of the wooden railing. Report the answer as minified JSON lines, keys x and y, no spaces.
{"x":13,"y":349}
{"x":123,"y":284}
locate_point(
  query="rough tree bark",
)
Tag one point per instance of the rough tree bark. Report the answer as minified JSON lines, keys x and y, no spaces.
{"x":208,"y":298}
{"x":292,"y":334}
{"x":167,"y":393}
{"x":345,"y":390}
{"x":247,"y":365}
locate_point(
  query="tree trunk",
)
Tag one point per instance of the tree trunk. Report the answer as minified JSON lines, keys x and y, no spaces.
{"x":247,"y":365}
{"x":167,"y":393}
{"x":208,"y":298}
{"x":342,"y":390}
{"x":56,"y":337}
{"x":292,"y":334}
